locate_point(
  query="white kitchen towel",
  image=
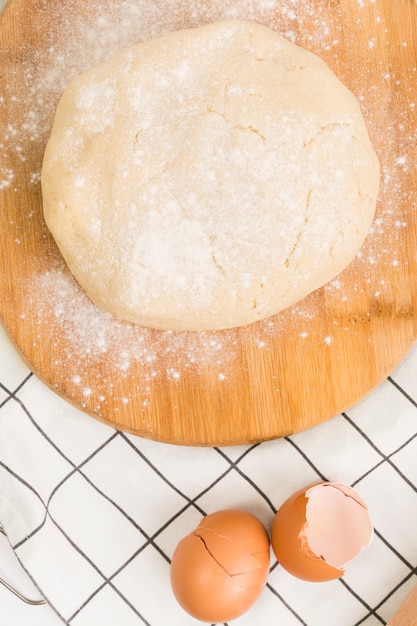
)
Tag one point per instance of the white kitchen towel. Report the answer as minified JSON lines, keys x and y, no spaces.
{"x":94,"y":515}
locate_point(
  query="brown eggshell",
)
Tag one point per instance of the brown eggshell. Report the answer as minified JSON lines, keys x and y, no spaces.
{"x":286,"y":542}
{"x":339,"y":524}
{"x":219,"y":570}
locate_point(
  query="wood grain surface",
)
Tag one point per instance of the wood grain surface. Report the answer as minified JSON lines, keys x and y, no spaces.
{"x":407,"y":613}
{"x":250,"y":384}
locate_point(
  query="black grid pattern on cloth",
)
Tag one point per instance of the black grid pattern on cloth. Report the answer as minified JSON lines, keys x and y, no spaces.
{"x":234,"y":464}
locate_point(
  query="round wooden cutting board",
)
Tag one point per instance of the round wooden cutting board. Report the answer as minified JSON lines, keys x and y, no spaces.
{"x":250,"y":384}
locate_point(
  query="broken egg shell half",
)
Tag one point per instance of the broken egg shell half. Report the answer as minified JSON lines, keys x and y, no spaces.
{"x":319,"y":529}
{"x":220,"y":569}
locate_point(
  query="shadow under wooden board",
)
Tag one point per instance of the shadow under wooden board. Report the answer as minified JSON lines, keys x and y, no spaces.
{"x":254,"y":383}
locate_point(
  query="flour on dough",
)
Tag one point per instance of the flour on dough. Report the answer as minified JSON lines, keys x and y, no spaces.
{"x":209,"y":178}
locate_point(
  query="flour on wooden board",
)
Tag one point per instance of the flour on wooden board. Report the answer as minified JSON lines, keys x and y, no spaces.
{"x":104,"y":30}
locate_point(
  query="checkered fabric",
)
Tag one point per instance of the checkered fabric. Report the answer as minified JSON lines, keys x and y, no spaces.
{"x":94,"y":515}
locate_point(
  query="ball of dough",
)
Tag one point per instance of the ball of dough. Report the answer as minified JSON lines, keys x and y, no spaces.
{"x":209,"y":178}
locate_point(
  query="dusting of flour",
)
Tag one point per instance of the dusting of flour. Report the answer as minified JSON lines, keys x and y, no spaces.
{"x":103,"y":27}
{"x":92,"y":333}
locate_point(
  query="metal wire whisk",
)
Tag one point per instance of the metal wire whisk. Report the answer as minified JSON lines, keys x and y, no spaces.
{"x":13,"y":590}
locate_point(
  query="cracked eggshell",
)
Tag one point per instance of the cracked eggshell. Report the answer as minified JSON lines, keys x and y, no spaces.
{"x":220,"y":569}
{"x":319,"y":529}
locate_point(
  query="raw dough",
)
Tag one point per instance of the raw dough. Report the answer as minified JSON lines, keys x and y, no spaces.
{"x":209,"y":178}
